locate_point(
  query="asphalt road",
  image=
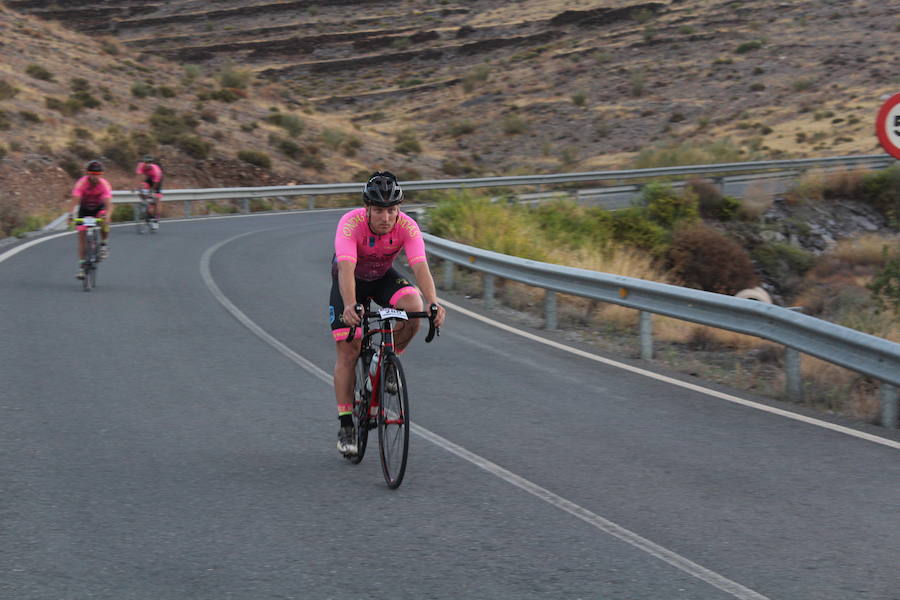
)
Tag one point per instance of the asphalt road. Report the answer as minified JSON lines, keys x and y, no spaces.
{"x":171,"y":435}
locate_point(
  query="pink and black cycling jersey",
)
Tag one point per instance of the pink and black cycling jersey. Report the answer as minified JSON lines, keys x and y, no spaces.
{"x":92,"y":196}
{"x":374,"y":254}
{"x":151,"y":171}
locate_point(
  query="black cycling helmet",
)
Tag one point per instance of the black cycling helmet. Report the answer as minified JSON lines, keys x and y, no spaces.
{"x":382,"y":189}
{"x":147,"y":159}
{"x":95,"y":166}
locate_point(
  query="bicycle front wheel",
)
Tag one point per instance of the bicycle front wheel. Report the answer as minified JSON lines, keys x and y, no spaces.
{"x":361,"y":399}
{"x":393,"y":421}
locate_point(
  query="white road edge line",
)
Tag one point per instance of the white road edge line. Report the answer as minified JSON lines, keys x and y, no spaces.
{"x":684,"y":384}
{"x":598,"y":522}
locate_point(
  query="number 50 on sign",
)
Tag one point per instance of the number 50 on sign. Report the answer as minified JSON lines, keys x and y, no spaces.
{"x":887,"y":126}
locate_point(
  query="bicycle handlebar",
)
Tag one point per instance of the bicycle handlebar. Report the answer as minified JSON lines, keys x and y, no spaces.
{"x":430,"y":315}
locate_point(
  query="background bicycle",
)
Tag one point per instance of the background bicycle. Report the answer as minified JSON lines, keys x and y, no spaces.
{"x":380,"y":397}
{"x":91,"y":228}
{"x":145,"y":222}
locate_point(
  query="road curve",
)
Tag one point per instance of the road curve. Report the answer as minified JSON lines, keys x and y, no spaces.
{"x":171,"y":435}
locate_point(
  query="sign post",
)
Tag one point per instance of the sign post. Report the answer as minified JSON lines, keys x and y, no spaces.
{"x":887,"y":125}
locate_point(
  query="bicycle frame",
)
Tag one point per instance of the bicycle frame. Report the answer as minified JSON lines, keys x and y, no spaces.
{"x":91,"y":227}
{"x":391,"y":413}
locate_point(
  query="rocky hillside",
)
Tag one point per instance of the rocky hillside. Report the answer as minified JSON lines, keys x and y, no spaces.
{"x":436,"y":88}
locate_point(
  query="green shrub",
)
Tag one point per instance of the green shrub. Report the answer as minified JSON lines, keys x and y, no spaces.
{"x":885,"y":286}
{"x":81,"y":150}
{"x":688,"y":153}
{"x":566,"y":223}
{"x":142,"y":90}
{"x":749,"y":46}
{"x":71,"y":167}
{"x":122,"y":213}
{"x":5,"y":123}
{"x":30,"y":116}
{"x":2,"y":151}
{"x":332,"y":138}
{"x":476,"y":76}
{"x":168,"y":125}
{"x":287,"y":147}
{"x":260,"y":204}
{"x":255,"y":157}
{"x":666,"y":207}
{"x":85,"y":99}
{"x":632,"y":228}
{"x":119,"y":149}
{"x":579,"y":99}
{"x":7,"y":91}
{"x":225,"y":95}
{"x":479,"y":222}
{"x":459,"y":128}
{"x":191,"y":73}
{"x":110,"y":47}
{"x":351,"y":145}
{"x":513,"y":124}
{"x":882,"y":190}
{"x":293,"y":124}
{"x":70,"y":107}
{"x":39,"y":72}
{"x":703,"y":258}
{"x":783,"y":262}
{"x":193,"y":146}
{"x":711,"y":202}
{"x":231,"y":77}
{"x":166,"y":91}
{"x":407,"y":143}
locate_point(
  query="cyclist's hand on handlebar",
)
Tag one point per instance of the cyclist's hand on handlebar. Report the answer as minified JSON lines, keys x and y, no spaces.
{"x":441,"y":315}
{"x":351,"y":315}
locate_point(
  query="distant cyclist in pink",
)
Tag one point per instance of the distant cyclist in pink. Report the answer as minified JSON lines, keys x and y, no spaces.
{"x":153,"y":178}
{"x":367,"y":241}
{"x":92,"y":197}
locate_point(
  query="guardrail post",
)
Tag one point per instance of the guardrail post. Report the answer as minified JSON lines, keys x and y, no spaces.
{"x":245,"y":205}
{"x":889,"y":406}
{"x":793,"y":385}
{"x":310,"y":202}
{"x":549,"y":309}
{"x":449,"y":271}
{"x":135,"y":210}
{"x":187,"y":208}
{"x":646,"y":333}
{"x":488,"y":291}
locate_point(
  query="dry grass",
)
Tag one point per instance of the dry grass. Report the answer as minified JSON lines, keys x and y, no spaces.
{"x":757,"y":199}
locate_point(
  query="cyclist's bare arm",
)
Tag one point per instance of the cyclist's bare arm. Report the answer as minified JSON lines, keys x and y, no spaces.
{"x":426,"y":285}
{"x":347,"y":283}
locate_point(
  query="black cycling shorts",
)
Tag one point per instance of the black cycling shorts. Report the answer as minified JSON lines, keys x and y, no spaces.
{"x":385,"y":292}
{"x":90,"y":212}
{"x":156,"y":188}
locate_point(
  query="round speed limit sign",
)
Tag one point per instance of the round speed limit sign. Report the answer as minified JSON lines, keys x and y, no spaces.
{"x":888,"y":125}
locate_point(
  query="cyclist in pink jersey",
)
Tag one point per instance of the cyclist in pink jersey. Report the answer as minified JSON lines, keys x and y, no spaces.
{"x":153,"y":178}
{"x":92,"y":197}
{"x":366,"y":242}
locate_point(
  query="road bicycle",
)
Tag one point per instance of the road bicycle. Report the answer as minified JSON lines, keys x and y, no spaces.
{"x":144,"y":222}
{"x":91,"y":227}
{"x":380,"y":397}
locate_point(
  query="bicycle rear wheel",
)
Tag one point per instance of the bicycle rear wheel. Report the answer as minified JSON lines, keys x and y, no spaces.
{"x":361,"y":399}
{"x":393,"y":421}
{"x":142,"y":219}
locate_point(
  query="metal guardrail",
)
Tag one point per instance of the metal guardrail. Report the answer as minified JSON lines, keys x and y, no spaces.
{"x":871,"y":355}
{"x":312,"y":190}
